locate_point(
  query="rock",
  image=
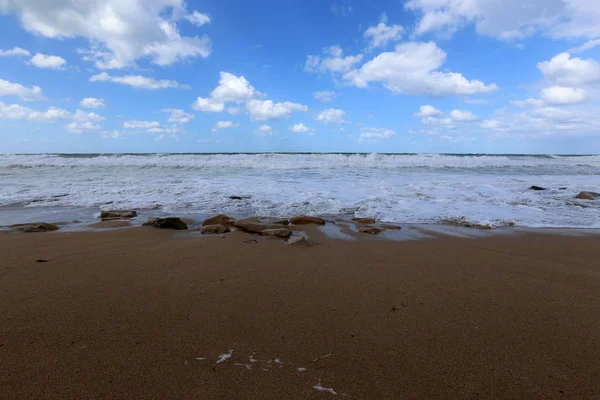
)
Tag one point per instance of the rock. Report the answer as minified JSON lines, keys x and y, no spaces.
{"x":280,"y":221}
{"x":239,"y":197}
{"x":391,"y":227}
{"x":462,"y":221}
{"x":279,"y":232}
{"x":36,"y":227}
{"x":214,"y":229}
{"x":373,"y":230}
{"x":364,"y":220}
{"x":167,"y":223}
{"x":251,"y":226}
{"x":305,"y":220}
{"x":118,"y":214}
{"x":220,"y":219}
{"x":588,"y":196}
{"x":536,"y":188}
{"x":562,"y":188}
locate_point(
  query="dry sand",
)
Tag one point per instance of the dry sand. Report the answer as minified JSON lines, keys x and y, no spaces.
{"x":145,"y":314}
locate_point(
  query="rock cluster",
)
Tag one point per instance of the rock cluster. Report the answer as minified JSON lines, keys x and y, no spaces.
{"x":167,"y":223}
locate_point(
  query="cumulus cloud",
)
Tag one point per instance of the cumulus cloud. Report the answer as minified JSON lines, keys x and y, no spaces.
{"x":47,"y":61}
{"x":325,"y":96}
{"x":333,"y":62}
{"x":92,"y":102}
{"x":527,"y":103}
{"x":119,"y":33}
{"x":565,"y":70}
{"x":381,"y":34}
{"x":265,"y":130}
{"x":198,"y":19}
{"x":224,"y":125}
{"x":331,"y":116}
{"x":15,"y":51}
{"x":16,"y":89}
{"x":427,"y":111}
{"x":557,"y":95}
{"x":177,"y":116}
{"x":301,"y":128}
{"x":374,"y":134}
{"x":413,"y":69}
{"x":208,"y":105}
{"x":136,"y":124}
{"x":77,"y":128}
{"x":264,"y":110}
{"x":138,"y":81}
{"x":462,"y":116}
{"x":496,"y":18}
{"x":233,"y":89}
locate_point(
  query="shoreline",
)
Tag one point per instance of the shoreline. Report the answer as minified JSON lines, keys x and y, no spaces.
{"x":148,"y":313}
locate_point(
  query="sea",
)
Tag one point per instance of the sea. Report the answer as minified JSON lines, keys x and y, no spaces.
{"x":402,"y":188}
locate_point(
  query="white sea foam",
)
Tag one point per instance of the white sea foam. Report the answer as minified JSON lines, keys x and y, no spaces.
{"x":418,"y":188}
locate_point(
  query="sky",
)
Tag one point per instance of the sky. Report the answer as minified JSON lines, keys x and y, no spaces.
{"x":394,"y":76}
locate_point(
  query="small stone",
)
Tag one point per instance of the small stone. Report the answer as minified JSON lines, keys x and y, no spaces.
{"x":364,"y":220}
{"x":118,"y":214}
{"x":588,"y":196}
{"x":220,"y":219}
{"x":305,"y":220}
{"x":279,"y":232}
{"x":167,"y":223}
{"x":214,"y":229}
{"x":373,"y":230}
{"x":536,"y":188}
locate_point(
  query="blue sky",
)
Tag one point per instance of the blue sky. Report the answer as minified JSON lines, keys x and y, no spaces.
{"x":313,"y":75}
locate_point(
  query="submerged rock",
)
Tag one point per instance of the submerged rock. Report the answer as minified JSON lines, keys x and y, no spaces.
{"x":214,"y":229}
{"x":588,"y":196}
{"x":364,"y":220}
{"x":462,"y":221}
{"x":254,"y":226}
{"x":305,"y":220}
{"x":118,"y":214}
{"x":373,"y":230}
{"x":537,"y":188}
{"x":35,"y":227}
{"x":220,"y":219}
{"x":167,"y":223}
{"x":279,"y":232}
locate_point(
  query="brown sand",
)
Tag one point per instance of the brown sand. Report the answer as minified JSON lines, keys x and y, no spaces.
{"x":125,"y":314}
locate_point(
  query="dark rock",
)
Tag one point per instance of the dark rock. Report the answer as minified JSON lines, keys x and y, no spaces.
{"x":118,"y":214}
{"x":253,"y":226}
{"x":42,"y":261}
{"x":537,"y":188}
{"x":36,"y":227}
{"x":279,"y":232}
{"x":305,"y":220}
{"x":214,"y":229}
{"x":280,"y":221}
{"x":391,"y":227}
{"x":562,"y":188}
{"x":220,"y":219}
{"x":239,"y":197}
{"x":167,"y":223}
{"x":364,"y":220}
{"x":373,"y":230}
{"x":462,"y":221}
{"x":588,"y":196}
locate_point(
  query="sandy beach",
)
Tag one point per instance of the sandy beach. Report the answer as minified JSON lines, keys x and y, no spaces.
{"x":142,"y":313}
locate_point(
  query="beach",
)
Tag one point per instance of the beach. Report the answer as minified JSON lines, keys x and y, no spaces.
{"x":146,"y":313}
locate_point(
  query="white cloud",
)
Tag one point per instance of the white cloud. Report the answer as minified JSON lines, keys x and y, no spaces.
{"x":136,"y":124}
{"x":301,"y":128}
{"x":557,"y":95}
{"x":462,"y":116}
{"x":92,"y":102}
{"x":119,"y":33}
{"x":263,"y":110}
{"x":265,"y":130}
{"x":325,"y":96}
{"x":412,"y":69}
{"x":527,"y":103}
{"x":331,"y":116}
{"x":233,"y":89}
{"x":208,"y":105}
{"x":496,"y":18}
{"x":178,"y":116}
{"x":427,"y":111}
{"x":198,"y":19}
{"x":373,"y":134}
{"x":341,"y":8}
{"x":16,"y":89}
{"x":138,"y":81}
{"x":81,"y":127}
{"x":233,"y":110}
{"x":564,"y":70}
{"x":224,"y":125}
{"x":334,"y":63}
{"x":47,"y":61}
{"x":586,"y":46}
{"x":334,"y":51}
{"x":381,"y":34}
{"x":15,"y":51}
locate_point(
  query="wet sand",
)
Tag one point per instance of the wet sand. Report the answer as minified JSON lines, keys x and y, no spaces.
{"x":146,"y":314}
